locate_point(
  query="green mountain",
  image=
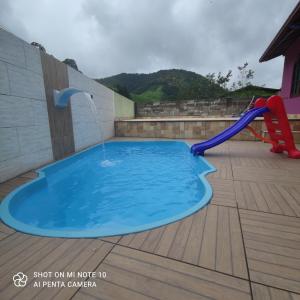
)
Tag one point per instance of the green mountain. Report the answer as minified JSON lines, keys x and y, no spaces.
{"x":163,"y":85}
{"x":176,"y":85}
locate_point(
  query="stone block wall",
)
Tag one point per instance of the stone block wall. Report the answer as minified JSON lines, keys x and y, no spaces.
{"x":203,"y":108}
{"x":24,"y":128}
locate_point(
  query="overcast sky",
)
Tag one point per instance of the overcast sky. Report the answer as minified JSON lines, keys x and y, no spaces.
{"x":107,"y":37}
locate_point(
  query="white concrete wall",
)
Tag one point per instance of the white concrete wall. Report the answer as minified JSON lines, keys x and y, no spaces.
{"x":90,"y":128}
{"x":124,"y":107}
{"x":24,"y":128}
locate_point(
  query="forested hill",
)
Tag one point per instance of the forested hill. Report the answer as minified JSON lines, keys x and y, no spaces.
{"x":163,"y":85}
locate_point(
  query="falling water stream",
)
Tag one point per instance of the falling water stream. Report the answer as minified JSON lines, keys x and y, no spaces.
{"x":105,"y":162}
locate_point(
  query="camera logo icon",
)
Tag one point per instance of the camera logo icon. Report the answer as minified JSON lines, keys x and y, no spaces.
{"x":20,"y":279}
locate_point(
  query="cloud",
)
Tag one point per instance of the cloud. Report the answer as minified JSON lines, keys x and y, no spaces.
{"x":9,"y":20}
{"x":107,"y":37}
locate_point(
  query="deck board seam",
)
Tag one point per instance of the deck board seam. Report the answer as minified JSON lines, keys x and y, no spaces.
{"x":174,"y":238}
{"x":249,"y":239}
{"x":217,"y":204}
{"x":15,"y":242}
{"x":186,"y":262}
{"x":30,"y":254}
{"x":266,"y":212}
{"x":251,"y":248}
{"x":68,"y":264}
{"x":103,"y":239}
{"x":7,"y":235}
{"x":146,"y":238}
{"x":269,"y":274}
{"x":26,"y":241}
{"x":265,"y":182}
{"x":239,"y":221}
{"x":254,"y":197}
{"x":248,"y":217}
{"x":87,"y":294}
{"x":189,"y":234}
{"x":202,"y":236}
{"x":96,"y":267}
{"x":291,"y":195}
{"x":270,"y":229}
{"x":87,"y":259}
{"x":275,"y":199}
{"x":261,"y":234}
{"x":274,"y":264}
{"x":230,"y":241}
{"x":216,"y":240}
{"x":245,"y":253}
{"x":263,"y":196}
{"x":110,"y":242}
{"x":64,"y":265}
{"x":124,"y":287}
{"x":284,"y":199}
{"x":36,"y":263}
{"x":182,"y":273}
{"x":155,"y":279}
{"x":160,"y":238}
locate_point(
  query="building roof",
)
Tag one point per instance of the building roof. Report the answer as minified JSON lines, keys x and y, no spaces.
{"x":288,"y":33}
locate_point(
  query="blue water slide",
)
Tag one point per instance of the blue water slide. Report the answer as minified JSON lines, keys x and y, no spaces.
{"x":239,"y":125}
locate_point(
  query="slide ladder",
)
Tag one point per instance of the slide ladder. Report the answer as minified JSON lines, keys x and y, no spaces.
{"x":278,"y":126}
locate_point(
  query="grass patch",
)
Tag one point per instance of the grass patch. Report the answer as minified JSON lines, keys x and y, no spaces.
{"x":153,"y":94}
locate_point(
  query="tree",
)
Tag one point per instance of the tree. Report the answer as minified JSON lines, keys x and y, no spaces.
{"x":122,"y":90}
{"x":72,"y":63}
{"x":211,"y":77}
{"x":222,"y":80}
{"x":245,"y":75}
{"x":216,"y":81}
{"x":39,"y":46}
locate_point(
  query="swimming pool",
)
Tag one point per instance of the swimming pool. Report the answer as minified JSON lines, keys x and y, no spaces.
{"x":120,"y":188}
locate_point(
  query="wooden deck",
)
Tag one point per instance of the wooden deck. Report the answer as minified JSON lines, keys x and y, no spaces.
{"x":244,"y":245}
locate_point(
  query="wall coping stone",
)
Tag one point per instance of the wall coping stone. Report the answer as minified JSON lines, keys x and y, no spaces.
{"x":191,"y":119}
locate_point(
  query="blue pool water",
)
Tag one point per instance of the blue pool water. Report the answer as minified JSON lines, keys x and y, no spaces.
{"x":127,"y":187}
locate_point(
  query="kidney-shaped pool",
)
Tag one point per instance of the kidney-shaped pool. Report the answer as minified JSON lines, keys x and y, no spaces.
{"x":120,"y":188}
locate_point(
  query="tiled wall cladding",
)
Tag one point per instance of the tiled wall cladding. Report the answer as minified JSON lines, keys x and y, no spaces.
{"x":191,"y":129}
{"x":24,"y":128}
{"x":25,"y":139}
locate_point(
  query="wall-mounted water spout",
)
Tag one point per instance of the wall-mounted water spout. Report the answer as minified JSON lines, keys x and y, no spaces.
{"x":62,"y":97}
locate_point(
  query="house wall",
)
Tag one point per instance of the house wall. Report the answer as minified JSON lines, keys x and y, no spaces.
{"x":91,"y":126}
{"x":24,"y":127}
{"x":292,"y":104}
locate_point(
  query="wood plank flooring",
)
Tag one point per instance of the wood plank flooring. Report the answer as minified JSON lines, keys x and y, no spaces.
{"x":273,"y":249}
{"x":210,"y":238}
{"x":268,"y":293}
{"x":29,"y":254}
{"x":244,"y":245}
{"x":147,"y":276}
